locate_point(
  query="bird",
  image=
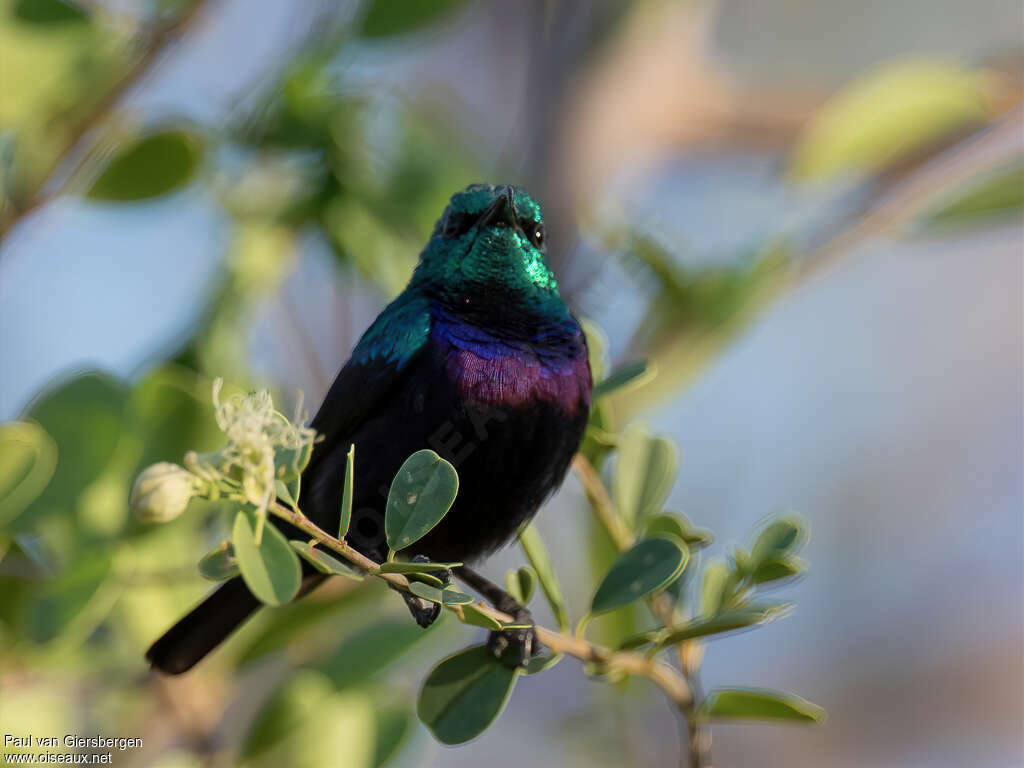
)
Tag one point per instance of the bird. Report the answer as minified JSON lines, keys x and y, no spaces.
{"x":478,"y":359}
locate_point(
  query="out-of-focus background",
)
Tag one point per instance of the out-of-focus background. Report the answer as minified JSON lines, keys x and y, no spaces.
{"x":808,"y":214}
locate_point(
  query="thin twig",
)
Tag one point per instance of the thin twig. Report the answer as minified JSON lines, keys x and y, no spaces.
{"x":667,"y":678}
{"x":159,"y":40}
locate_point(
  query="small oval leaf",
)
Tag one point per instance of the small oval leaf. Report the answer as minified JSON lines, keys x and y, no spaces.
{"x":445,"y":596}
{"x":464,"y":694}
{"x":758,"y":704}
{"x":625,"y":377}
{"x":346,"y":493}
{"x":776,"y":569}
{"x":271,"y":568}
{"x":323,"y":561}
{"x":644,"y":474}
{"x":422,"y":493}
{"x":394,"y":566}
{"x":520,"y":583}
{"x":779,"y":537}
{"x":149,"y":167}
{"x":726,"y":621}
{"x":219,"y":564}
{"x":650,"y":565}
{"x":472,"y":615}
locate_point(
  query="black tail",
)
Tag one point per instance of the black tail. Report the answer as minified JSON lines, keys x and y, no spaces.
{"x":206,"y":627}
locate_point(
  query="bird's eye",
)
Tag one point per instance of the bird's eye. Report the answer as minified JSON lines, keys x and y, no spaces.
{"x":536,"y":235}
{"x":457,"y":224}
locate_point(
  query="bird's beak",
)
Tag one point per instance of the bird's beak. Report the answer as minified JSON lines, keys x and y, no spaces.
{"x":502,"y":209}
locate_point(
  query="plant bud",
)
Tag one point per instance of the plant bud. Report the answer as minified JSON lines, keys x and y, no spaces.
{"x":161,"y":492}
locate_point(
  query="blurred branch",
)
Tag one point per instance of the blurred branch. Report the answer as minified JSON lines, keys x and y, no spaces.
{"x":154,"y":44}
{"x":661,"y":606}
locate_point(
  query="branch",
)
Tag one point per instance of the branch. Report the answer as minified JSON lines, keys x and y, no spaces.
{"x":160,"y":39}
{"x":667,"y":678}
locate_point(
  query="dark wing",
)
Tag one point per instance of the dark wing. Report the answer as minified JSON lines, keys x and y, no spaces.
{"x":377,"y":370}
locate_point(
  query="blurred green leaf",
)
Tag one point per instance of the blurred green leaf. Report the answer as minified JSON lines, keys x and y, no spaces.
{"x":520,"y":583}
{"x":364,"y":653}
{"x":726,"y":621}
{"x":49,"y":12}
{"x":723,"y":704}
{"x":306,"y":724}
{"x":677,"y":524}
{"x":535,"y":551}
{"x":445,"y":596}
{"x":538,"y":664}
{"x":650,"y":565}
{"x":778,"y":538}
{"x":421,"y":494}
{"x":624,"y":377}
{"x":464,"y":694}
{"x":306,"y":617}
{"x":394,"y":727}
{"x":714,"y":590}
{"x":323,"y":561}
{"x":289,"y":462}
{"x":385,"y":18}
{"x":284,"y":493}
{"x":219,"y":564}
{"x":28,"y":457}
{"x":149,"y":167}
{"x":63,"y":599}
{"x":644,"y":473}
{"x":776,"y":569}
{"x":85,"y":417}
{"x":346,"y":492}
{"x":890,"y":113}
{"x":996,"y":195}
{"x":270,"y":569}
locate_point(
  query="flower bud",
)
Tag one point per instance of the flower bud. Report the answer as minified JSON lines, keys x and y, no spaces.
{"x":162,"y":491}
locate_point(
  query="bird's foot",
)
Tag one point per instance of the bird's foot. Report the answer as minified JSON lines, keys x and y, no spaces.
{"x":516,"y":647}
{"x":423,"y":611}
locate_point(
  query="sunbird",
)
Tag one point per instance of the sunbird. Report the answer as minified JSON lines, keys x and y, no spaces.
{"x":480,"y":360}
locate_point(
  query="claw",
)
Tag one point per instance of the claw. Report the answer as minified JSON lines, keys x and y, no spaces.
{"x":516,"y":646}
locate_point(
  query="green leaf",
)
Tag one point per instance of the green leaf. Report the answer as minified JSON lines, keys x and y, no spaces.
{"x":28,"y":457}
{"x":470,"y":614}
{"x":625,"y":377}
{"x":85,"y":417}
{"x":644,"y":474}
{"x":995,"y":195}
{"x":284,"y":493}
{"x":346,"y":492}
{"x":446,"y":596}
{"x":289,"y":462}
{"x":219,"y":564}
{"x":324,"y":562}
{"x":422,"y":493}
{"x":45,"y":13}
{"x":149,"y":167}
{"x":270,"y":569}
{"x":538,"y":664}
{"x":394,"y":728}
{"x":520,"y":584}
{"x":395,"y":566}
{"x":758,"y":704}
{"x":386,"y":18}
{"x":65,"y":598}
{"x":677,"y":524}
{"x":776,"y":569}
{"x":779,"y":537}
{"x":364,"y":653}
{"x":893,"y":112}
{"x":715,"y":587}
{"x":726,"y":621}
{"x":535,"y":551}
{"x":650,"y":565}
{"x":464,"y":694}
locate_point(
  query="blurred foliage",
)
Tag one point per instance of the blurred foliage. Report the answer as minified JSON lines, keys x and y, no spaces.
{"x":86,"y":587}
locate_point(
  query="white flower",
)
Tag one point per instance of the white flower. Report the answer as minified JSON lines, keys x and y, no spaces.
{"x":162,"y":491}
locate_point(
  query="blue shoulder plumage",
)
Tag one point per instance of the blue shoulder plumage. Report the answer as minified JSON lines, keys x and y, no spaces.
{"x":398,"y":333}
